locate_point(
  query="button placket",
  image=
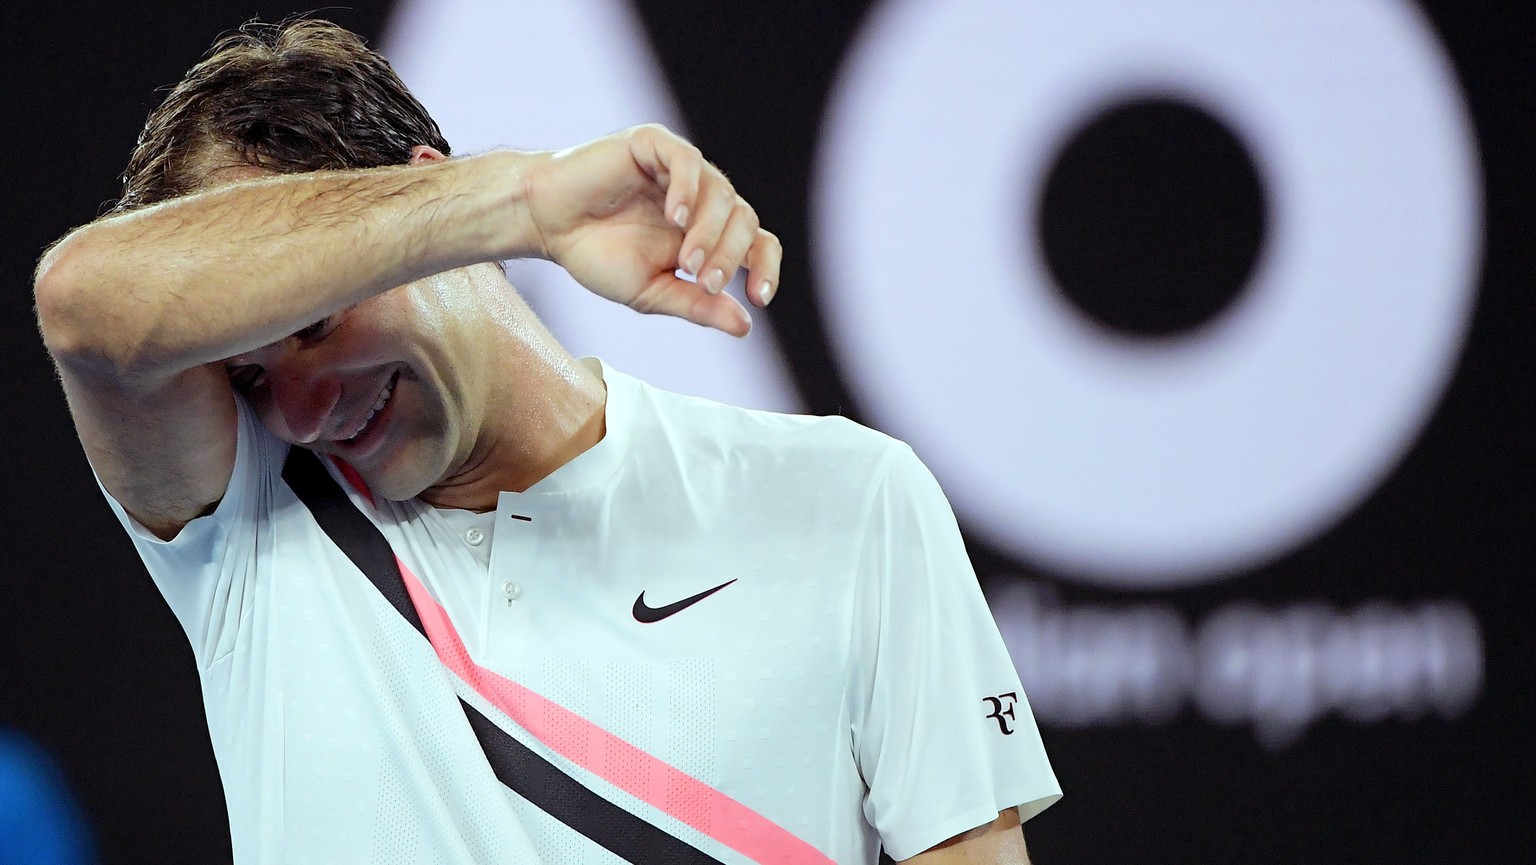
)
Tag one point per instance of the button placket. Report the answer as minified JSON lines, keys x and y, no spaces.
{"x":512,"y":589}
{"x":512,"y":558}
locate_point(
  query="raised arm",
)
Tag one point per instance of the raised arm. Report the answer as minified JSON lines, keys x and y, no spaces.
{"x":138,"y":310}
{"x":202,"y":278}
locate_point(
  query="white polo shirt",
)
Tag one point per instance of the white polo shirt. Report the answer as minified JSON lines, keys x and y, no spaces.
{"x":842,"y":688}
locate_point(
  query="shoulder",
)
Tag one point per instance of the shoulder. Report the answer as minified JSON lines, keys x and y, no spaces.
{"x":834,"y":443}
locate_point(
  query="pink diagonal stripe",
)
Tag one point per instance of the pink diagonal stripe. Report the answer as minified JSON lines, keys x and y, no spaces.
{"x":642,"y":775}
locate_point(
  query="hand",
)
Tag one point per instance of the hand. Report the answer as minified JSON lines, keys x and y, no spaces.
{"x":623,"y":213}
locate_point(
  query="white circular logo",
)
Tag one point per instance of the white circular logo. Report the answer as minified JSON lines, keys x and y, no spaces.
{"x":1135,"y":463}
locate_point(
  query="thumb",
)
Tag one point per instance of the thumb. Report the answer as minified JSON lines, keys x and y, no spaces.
{"x":686,"y":300}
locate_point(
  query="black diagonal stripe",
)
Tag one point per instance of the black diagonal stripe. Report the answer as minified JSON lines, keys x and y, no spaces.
{"x":524,"y":772}
{"x":349,"y":529}
{"x":567,"y":800}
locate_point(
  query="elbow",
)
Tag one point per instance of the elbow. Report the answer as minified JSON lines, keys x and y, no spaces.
{"x":58,"y":290}
{"x":78,"y":329}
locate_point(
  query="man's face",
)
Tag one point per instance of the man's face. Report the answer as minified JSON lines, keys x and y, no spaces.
{"x":384,"y":384}
{"x":387,"y":385}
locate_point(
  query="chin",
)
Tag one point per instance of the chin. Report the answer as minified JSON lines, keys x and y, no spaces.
{"x":406,"y":476}
{"x":396,"y":486}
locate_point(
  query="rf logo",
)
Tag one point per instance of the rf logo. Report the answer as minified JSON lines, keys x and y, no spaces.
{"x":1002,"y":710}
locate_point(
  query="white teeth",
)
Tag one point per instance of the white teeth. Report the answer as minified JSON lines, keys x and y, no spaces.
{"x":378,"y":404}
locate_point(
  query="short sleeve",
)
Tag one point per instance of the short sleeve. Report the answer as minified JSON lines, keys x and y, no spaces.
{"x":943,"y":733}
{"x":206,"y":573}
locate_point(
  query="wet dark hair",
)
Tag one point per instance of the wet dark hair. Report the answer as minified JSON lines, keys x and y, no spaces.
{"x":302,"y":95}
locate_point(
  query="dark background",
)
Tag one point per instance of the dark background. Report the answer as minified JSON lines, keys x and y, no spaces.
{"x":96,"y":669}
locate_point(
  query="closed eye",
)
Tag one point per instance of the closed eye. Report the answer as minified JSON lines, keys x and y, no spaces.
{"x":247,"y":376}
{"x":243,"y":378}
{"x":305,"y":334}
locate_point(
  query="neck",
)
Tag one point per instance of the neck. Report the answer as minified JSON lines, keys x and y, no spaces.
{"x":543,"y":409}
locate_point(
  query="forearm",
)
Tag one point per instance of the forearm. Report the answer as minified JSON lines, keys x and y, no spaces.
{"x":151,"y":293}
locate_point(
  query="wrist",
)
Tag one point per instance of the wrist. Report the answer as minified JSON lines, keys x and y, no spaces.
{"x":507,"y":177}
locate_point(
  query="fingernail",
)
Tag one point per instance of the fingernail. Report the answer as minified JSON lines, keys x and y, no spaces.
{"x":714,"y":280}
{"x":695,"y":261}
{"x":765,"y":291}
{"x":680,"y":216}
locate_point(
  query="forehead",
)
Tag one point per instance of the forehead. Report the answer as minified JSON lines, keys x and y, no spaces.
{"x":217,"y":173}
{"x":236,"y":173}
{"x":214,"y":164}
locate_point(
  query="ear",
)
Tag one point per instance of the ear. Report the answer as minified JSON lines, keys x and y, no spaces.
{"x":426,"y":153}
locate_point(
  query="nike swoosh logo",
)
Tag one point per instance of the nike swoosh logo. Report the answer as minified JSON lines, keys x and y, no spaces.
{"x":648,"y":614}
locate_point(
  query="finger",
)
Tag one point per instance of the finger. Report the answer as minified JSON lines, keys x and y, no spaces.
{"x":721,"y":312}
{"x":683,"y":187}
{"x":674,"y":164}
{"x":763,"y":261}
{"x":715,"y":203}
{"x":725,"y":259}
{"x":676,"y":297}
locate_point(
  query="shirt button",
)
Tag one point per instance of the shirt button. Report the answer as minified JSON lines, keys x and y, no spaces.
{"x":511,"y":590}
{"x":475,"y":537}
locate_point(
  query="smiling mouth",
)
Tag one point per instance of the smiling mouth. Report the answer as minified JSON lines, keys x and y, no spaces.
{"x":379,"y":402}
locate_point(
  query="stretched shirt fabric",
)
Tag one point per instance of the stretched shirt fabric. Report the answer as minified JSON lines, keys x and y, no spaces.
{"x":754,"y":637}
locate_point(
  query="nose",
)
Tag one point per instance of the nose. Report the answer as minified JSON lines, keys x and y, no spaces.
{"x":302,"y":401}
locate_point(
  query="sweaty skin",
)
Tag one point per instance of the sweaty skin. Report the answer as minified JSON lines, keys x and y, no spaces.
{"x":148,"y":314}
